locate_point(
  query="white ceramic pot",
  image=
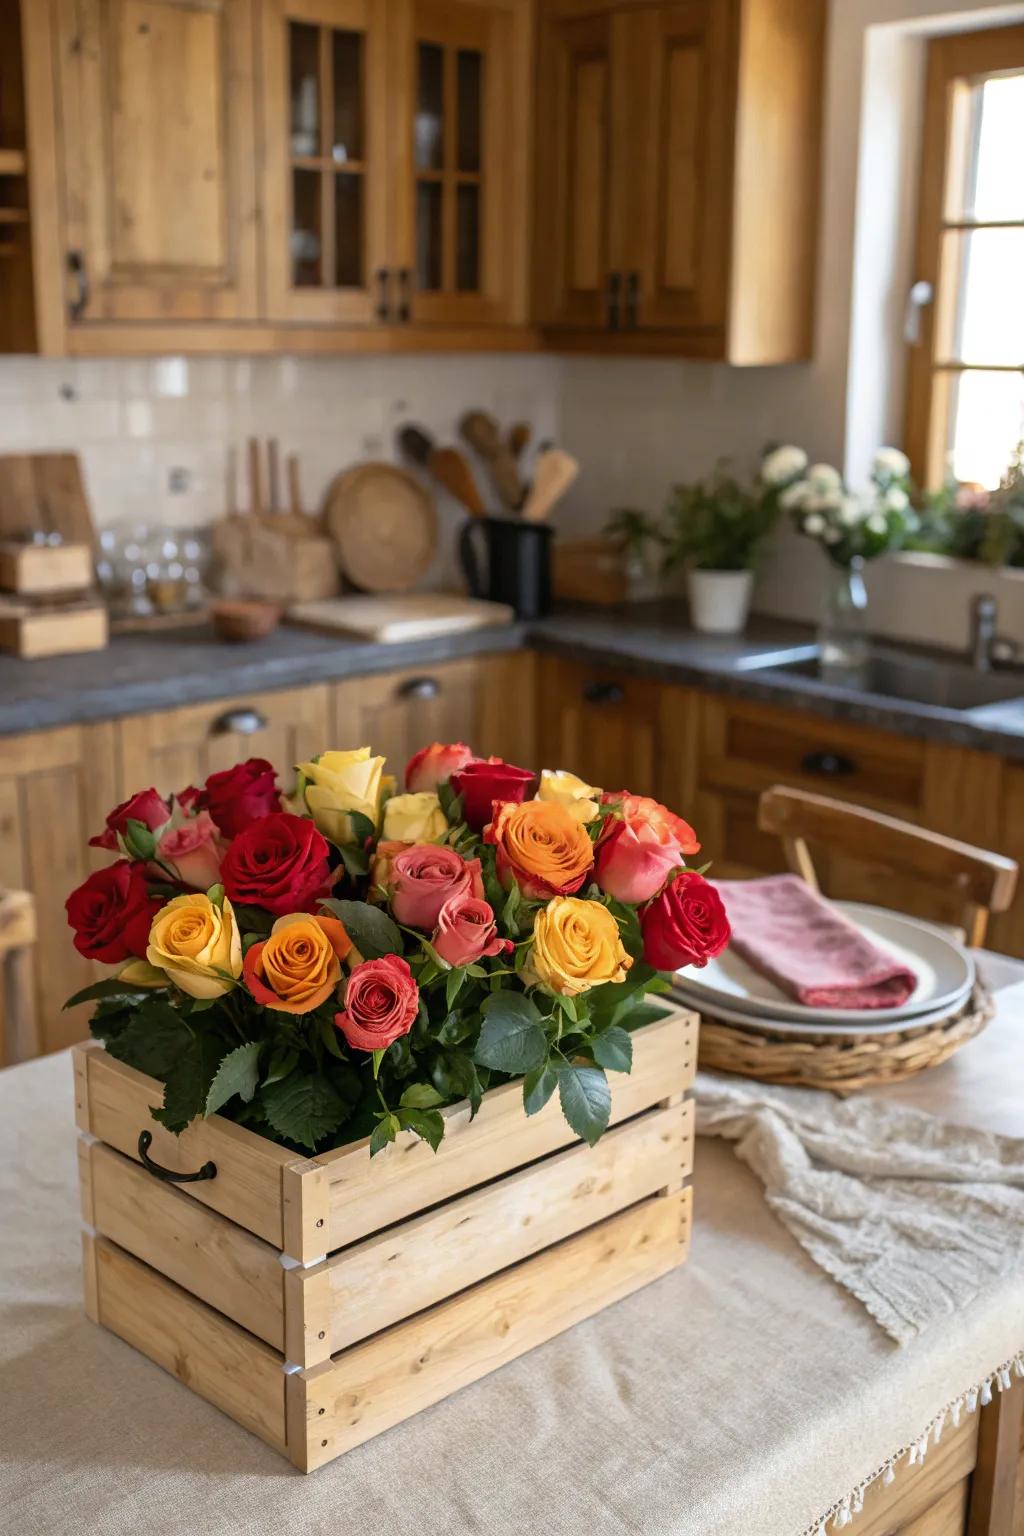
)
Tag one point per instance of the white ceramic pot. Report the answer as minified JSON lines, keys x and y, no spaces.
{"x":719,"y":600}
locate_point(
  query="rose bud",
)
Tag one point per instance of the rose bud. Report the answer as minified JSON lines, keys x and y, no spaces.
{"x":424,"y":877}
{"x":432,"y":765}
{"x":147,"y":806}
{"x":466,"y":931}
{"x":298,"y":967}
{"x":685,"y":925}
{"x":542,"y":847}
{"x":111,"y":914}
{"x":485,"y":781}
{"x":193,"y":851}
{"x":279,"y":863}
{"x":632,"y":863}
{"x":381,"y":1003}
{"x":241,"y":795}
{"x":414,"y":818}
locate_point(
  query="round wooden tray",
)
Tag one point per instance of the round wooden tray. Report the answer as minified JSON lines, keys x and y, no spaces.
{"x":839,"y":1062}
{"x":384,"y":525}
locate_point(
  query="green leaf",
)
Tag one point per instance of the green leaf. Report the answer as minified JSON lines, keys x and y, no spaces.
{"x":383,"y":1132}
{"x":355,"y":860}
{"x":112,"y":987}
{"x":454,"y":1076}
{"x":371,"y":930}
{"x":188,"y":1083}
{"x":363,"y":828}
{"x":510,"y":911}
{"x":330,"y":1036}
{"x":237,"y":1074}
{"x":216,"y":894}
{"x":511,"y":1039}
{"x":421,"y":1096}
{"x":585,"y":1098}
{"x":427,"y":1124}
{"x":138,"y":839}
{"x":304,"y":1107}
{"x":254,"y":920}
{"x":154,"y":1040}
{"x":613,"y":1049}
{"x":283,"y":1062}
{"x":538,"y":1086}
{"x":456,"y":1028}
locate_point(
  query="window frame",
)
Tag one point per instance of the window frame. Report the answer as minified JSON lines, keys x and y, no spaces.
{"x":954,"y":62}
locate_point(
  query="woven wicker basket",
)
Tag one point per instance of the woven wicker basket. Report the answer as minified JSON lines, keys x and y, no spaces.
{"x":841,"y":1063}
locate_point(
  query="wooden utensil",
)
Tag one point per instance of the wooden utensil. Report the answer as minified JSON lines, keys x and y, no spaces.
{"x":257,"y":505}
{"x":416,"y":444}
{"x":384,"y":525}
{"x":482,"y":432}
{"x":450,"y":468}
{"x":554,"y":472}
{"x":519,"y":435}
{"x":44,"y":493}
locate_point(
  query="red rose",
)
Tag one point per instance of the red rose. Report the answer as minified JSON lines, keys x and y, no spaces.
{"x":112,"y":914}
{"x":381,"y":1003}
{"x":430,"y":766}
{"x":685,"y":925}
{"x":190,"y":799}
{"x":485,"y":780}
{"x":466,"y":931}
{"x":147,"y":806}
{"x":241,"y":795}
{"x":279,"y":863}
{"x":424,"y":877}
{"x":632,"y":863}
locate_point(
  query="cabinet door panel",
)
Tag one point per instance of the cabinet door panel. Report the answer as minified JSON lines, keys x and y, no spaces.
{"x":158,"y":117}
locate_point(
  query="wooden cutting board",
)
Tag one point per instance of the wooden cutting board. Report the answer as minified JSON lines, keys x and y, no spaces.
{"x":44,"y":493}
{"x":390,"y":620}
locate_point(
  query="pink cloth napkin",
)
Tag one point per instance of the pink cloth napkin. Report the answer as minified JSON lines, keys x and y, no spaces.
{"x":800,"y":942}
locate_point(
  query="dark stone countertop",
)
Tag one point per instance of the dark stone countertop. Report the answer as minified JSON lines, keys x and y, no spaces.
{"x":140,"y":673}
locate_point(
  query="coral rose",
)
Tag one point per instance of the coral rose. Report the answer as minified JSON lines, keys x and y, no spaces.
{"x":636,"y":810}
{"x":340,"y":784}
{"x":111,"y":913}
{"x":486,"y":781}
{"x":424,"y":877}
{"x":241,"y":795}
{"x":299,"y":965}
{"x":197,"y":944}
{"x":631,"y":862}
{"x":432,"y":765}
{"x":192,"y":851}
{"x":381,"y":1003}
{"x":579,"y":799}
{"x":279,"y":863}
{"x":685,"y":925}
{"x":147,"y":806}
{"x":414,"y":818}
{"x":466,"y":931}
{"x":576,"y":946}
{"x":542,"y":847}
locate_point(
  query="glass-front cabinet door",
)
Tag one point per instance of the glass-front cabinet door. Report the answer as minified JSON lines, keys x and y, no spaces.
{"x":325,"y":126}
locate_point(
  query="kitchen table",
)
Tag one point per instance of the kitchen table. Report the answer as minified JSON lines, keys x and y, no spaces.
{"x":745,"y":1393}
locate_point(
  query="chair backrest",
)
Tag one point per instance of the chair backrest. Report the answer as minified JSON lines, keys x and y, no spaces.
{"x":19,"y":1033}
{"x":984,"y":882}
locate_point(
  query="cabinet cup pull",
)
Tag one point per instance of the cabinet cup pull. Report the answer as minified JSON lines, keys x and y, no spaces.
{"x":80,"y":276}
{"x":603,"y":693}
{"x":239,"y":722}
{"x":381,"y":278}
{"x":612,"y":299}
{"x":632,"y":300}
{"x":404,"y":295}
{"x":207,"y":1171}
{"x":828,"y":765}
{"x":419,"y":688}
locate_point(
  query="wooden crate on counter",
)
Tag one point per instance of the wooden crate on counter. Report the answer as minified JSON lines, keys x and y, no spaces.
{"x":319,"y":1301}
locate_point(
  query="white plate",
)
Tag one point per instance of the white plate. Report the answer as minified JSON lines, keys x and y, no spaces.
{"x":944,"y":970}
{"x":715,"y":1011}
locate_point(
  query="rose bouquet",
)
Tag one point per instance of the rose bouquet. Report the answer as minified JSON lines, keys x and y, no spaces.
{"x":345,"y":963}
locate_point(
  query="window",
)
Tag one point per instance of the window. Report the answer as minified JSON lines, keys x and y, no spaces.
{"x":965,"y":404}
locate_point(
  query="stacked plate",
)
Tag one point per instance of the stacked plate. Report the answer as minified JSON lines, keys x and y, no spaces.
{"x":731,"y":990}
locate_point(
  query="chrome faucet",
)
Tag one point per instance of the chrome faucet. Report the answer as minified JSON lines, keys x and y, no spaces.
{"x":987,"y":648}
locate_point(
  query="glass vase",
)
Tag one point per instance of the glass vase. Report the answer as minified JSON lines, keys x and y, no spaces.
{"x":843,"y":646}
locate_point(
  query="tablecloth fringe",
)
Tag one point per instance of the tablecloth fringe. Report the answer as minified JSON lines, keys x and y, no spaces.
{"x":840,"y":1514}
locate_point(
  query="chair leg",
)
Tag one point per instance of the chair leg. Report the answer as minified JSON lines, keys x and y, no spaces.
{"x":993,"y":1509}
{"x":798,"y":857}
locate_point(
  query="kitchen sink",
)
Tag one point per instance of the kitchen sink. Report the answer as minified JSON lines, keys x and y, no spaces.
{"x":895,"y":674}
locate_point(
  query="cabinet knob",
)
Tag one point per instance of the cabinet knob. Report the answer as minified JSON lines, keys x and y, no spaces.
{"x":404,"y":295}
{"x":419,"y":688}
{"x":612,"y":299}
{"x":828,"y":765}
{"x":632,"y":300}
{"x":604,"y":693}
{"x":80,"y":277}
{"x":239,"y":722}
{"x":381,"y":279}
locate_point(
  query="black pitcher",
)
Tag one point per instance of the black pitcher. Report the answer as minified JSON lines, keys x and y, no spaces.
{"x":518,"y":563}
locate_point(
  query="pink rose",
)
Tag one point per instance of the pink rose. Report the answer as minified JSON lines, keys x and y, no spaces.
{"x":381,"y":1003}
{"x":631,"y":862}
{"x":193,"y":851}
{"x":147,"y":806}
{"x":424,"y":877}
{"x":466,"y":931}
{"x":430,"y":766}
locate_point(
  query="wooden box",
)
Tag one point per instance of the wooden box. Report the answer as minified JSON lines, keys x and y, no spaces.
{"x":32,"y":569}
{"x":276,"y":564}
{"x":31,"y":631}
{"x":321,"y":1300}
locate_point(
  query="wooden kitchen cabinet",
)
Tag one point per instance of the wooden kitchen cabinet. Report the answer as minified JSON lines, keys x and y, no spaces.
{"x":672,"y":220}
{"x":56,"y":788}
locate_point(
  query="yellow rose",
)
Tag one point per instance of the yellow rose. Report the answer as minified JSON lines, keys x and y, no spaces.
{"x":414,"y":818}
{"x":562,"y":788}
{"x":197,"y":944}
{"x":340,"y":783}
{"x":576,"y":946}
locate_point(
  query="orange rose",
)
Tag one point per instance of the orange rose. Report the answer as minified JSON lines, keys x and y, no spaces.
{"x":299,"y":965}
{"x":640,"y":810}
{"x":542,"y":847}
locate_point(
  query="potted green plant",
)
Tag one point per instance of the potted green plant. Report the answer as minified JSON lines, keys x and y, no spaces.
{"x":715,"y":531}
{"x":636,"y":539}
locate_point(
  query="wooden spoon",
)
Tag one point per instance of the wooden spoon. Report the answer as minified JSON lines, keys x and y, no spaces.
{"x":554,"y":472}
{"x":482,"y":432}
{"x":450,"y":468}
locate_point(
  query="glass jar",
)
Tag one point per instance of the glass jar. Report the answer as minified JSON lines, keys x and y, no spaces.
{"x":843,"y":645}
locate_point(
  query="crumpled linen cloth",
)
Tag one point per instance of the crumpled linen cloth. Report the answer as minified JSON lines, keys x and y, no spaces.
{"x":802,"y":943}
{"x":913,"y":1215}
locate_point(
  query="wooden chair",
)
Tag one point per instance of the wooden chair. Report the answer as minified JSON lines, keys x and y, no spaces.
{"x":984,"y":882}
{"x":19,"y":1033}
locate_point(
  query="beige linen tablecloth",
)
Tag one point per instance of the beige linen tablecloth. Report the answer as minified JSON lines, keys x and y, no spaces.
{"x":741,"y":1396}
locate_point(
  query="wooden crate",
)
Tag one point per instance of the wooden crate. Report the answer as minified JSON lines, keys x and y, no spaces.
{"x":319,"y":1301}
